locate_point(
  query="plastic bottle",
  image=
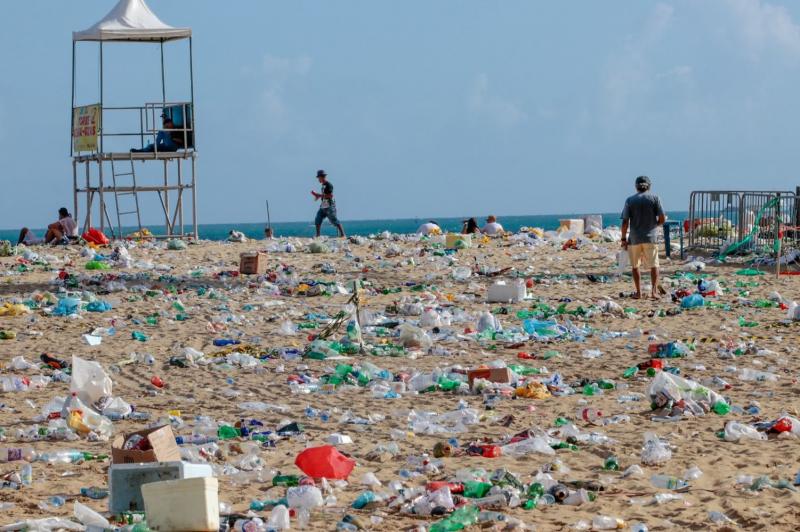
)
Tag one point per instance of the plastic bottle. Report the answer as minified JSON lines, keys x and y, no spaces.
{"x":13,"y":454}
{"x":589,"y":415}
{"x":461,"y":518}
{"x":604,"y":522}
{"x":285,"y":480}
{"x":63,"y":457}
{"x":94,"y":492}
{"x":668,"y":482}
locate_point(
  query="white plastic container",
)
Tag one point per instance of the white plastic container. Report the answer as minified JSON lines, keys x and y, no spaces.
{"x":182,"y":505}
{"x":574,"y":225}
{"x":506,"y":292}
{"x":125,"y":481}
{"x":593,"y":223}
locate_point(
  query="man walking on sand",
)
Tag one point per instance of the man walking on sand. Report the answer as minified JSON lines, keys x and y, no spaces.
{"x":327,"y":206}
{"x":643,"y":215}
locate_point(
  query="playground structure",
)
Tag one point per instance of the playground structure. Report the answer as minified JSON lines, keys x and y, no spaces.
{"x":731,"y":222}
{"x":104,"y":169}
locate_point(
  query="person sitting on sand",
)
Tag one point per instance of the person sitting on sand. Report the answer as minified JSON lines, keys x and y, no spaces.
{"x":58,"y":232}
{"x":166,"y":140}
{"x":643,"y":215}
{"x":492,"y":228}
{"x":429,"y":228}
{"x":470,"y":227}
{"x":237,"y":236}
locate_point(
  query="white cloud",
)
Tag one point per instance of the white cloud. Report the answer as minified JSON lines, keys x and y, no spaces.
{"x":278,"y":74}
{"x":500,"y":111}
{"x":764,"y":27}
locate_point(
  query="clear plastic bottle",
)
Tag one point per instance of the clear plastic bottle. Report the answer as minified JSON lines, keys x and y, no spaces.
{"x":668,"y":482}
{"x":605,"y":522}
{"x":13,"y":454}
{"x":589,"y":415}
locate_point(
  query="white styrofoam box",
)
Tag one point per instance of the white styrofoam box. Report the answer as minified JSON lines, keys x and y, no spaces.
{"x":125,"y":481}
{"x":593,"y":223}
{"x":182,"y":505}
{"x":574,"y":225}
{"x":506,"y":291}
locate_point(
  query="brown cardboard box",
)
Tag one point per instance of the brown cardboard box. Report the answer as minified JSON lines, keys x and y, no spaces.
{"x":162,"y":441}
{"x":253,"y":263}
{"x":500,"y":375}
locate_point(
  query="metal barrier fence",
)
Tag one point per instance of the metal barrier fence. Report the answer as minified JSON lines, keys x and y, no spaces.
{"x":720,"y":217}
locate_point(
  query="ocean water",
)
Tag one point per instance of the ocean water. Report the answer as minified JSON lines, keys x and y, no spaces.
{"x":364,"y":227}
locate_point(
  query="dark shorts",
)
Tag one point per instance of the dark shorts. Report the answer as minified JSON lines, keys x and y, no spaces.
{"x":326,"y":212}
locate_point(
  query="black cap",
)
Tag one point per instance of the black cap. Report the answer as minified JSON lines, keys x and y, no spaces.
{"x":321,"y":173}
{"x":643,"y":182}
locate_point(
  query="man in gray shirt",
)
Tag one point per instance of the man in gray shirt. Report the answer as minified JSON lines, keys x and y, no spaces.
{"x":643,"y":215}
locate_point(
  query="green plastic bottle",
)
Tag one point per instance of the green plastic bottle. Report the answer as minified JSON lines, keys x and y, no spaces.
{"x":458,"y":520}
{"x":476,"y":490}
{"x":226,"y":432}
{"x":606,"y":384}
{"x":535,"y":490}
{"x":721,"y":408}
{"x":285,"y":480}
{"x":611,"y":464}
{"x":630,"y":372}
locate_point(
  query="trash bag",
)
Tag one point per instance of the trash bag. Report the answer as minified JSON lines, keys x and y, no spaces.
{"x":543,"y":330}
{"x":411,"y":336}
{"x":67,"y":306}
{"x":693,"y":301}
{"x":325,"y":462}
{"x":89,"y":380}
{"x":654,"y":450}
{"x":96,"y":237}
{"x":176,"y":245}
{"x":735,"y":431}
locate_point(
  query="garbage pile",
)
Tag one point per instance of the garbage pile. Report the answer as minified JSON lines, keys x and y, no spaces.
{"x":390,"y":380}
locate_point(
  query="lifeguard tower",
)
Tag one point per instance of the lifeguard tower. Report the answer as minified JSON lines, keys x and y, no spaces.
{"x":104,"y":168}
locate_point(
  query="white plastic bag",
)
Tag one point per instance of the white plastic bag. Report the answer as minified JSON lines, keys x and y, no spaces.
{"x":735,"y":431}
{"x":654,"y":451}
{"x":89,"y":380}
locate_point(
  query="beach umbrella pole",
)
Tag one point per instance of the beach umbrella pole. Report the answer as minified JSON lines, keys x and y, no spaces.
{"x":268,"y":228}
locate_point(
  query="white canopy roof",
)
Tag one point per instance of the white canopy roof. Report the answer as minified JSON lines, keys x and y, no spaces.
{"x":131,"y":20}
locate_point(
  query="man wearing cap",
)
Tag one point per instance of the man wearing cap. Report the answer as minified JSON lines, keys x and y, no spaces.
{"x":643,"y":215}
{"x":327,"y":206}
{"x":167,"y":140}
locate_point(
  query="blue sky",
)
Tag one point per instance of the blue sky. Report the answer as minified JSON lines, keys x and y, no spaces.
{"x":426,"y":107}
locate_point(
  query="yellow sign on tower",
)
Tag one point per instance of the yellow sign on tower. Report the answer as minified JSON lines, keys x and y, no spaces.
{"x":85,"y":127}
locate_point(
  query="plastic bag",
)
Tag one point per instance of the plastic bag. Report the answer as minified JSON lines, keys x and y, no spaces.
{"x":693,"y":301}
{"x":735,"y":431}
{"x":654,"y":451}
{"x":89,"y":380}
{"x":411,"y":336}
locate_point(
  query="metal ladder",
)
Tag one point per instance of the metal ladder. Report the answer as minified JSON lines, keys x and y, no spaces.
{"x":131,"y":192}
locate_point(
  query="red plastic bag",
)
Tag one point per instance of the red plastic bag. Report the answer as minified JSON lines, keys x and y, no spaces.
{"x":95,"y":237}
{"x":325,"y":462}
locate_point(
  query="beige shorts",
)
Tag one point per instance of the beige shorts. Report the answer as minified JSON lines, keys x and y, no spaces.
{"x":644,"y":254}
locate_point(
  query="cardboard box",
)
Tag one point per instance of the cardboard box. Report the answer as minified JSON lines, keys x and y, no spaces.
{"x":162,"y":441}
{"x":499,"y":375}
{"x":253,"y":263}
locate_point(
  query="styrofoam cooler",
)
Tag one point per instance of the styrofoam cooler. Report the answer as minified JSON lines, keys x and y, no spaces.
{"x":574,"y":225}
{"x":182,"y":505}
{"x":506,"y":291}
{"x":593,"y":223}
{"x":125,"y":481}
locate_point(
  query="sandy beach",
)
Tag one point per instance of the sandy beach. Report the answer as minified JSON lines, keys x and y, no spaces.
{"x":217,"y":304}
